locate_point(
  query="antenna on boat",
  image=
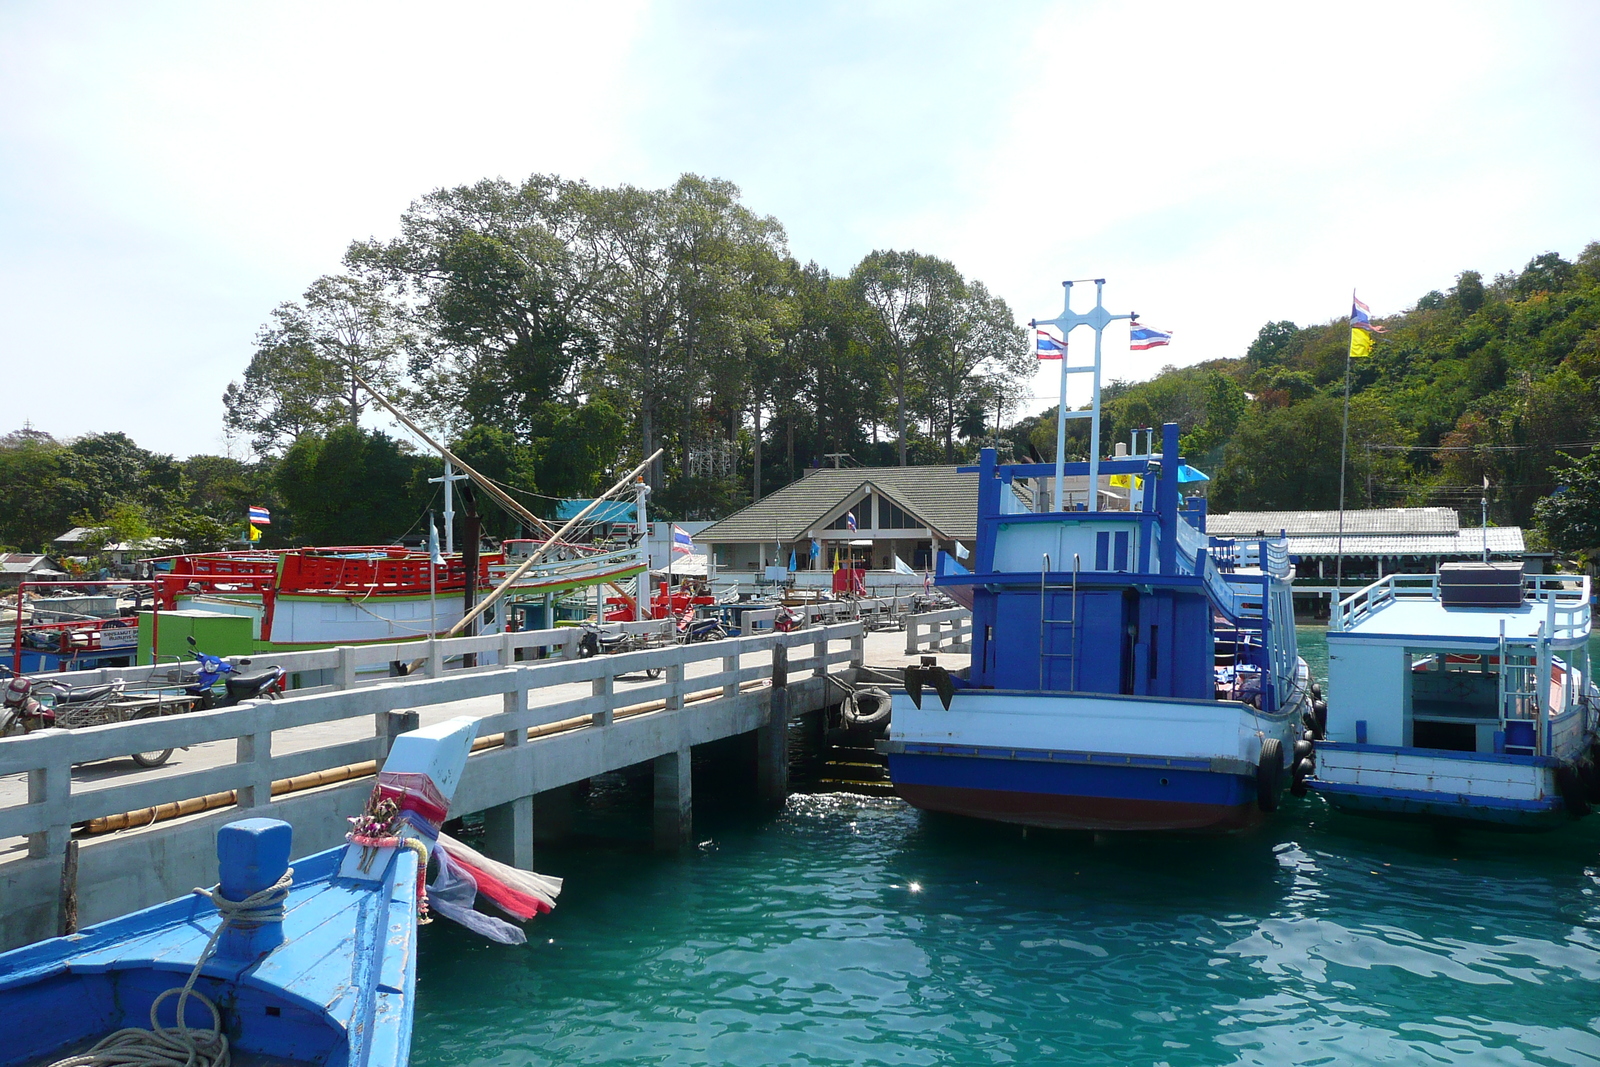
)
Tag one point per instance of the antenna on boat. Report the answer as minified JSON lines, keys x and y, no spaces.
{"x":1097,"y":318}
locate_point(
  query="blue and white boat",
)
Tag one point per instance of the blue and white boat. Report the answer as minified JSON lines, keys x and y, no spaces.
{"x":1465,"y":696}
{"x":315,"y":964}
{"x":1128,"y":671}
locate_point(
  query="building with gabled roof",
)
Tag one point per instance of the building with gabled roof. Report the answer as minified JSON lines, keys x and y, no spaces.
{"x":903,"y":513}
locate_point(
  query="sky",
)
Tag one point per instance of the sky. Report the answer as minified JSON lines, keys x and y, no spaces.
{"x":170,"y":172}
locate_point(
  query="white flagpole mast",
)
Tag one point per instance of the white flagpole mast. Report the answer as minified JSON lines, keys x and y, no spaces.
{"x":1097,"y":319}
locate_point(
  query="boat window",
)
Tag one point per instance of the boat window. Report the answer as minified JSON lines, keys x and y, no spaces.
{"x":1453,"y":699}
{"x":1102,"y":550}
{"x":1120,"y":556}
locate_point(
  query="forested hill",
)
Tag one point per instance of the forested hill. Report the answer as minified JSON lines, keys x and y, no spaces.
{"x":1491,"y":379}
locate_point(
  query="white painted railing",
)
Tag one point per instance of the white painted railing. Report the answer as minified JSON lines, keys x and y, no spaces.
{"x":866,"y":610}
{"x":55,"y":803}
{"x":345,"y":666}
{"x":949,"y":630}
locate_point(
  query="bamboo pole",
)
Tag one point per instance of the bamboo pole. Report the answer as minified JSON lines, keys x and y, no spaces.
{"x":538,"y":554}
{"x":484,"y":483}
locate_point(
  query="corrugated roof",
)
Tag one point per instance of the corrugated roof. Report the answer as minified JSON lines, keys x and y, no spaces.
{"x":938,"y":496}
{"x":1503,"y":540}
{"x":1375,"y":521}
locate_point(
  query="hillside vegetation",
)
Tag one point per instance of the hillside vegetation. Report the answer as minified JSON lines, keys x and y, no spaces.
{"x":1493,"y":380}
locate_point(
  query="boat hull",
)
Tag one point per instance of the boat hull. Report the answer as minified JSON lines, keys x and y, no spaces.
{"x":1492,"y":790}
{"x":1076,"y":797}
{"x":1076,"y":762}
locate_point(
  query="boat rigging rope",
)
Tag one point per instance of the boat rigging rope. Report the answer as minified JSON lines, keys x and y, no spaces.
{"x":179,"y":1046}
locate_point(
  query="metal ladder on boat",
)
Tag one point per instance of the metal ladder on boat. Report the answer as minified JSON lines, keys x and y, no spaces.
{"x":1045,"y":623}
{"x":1519,"y":686}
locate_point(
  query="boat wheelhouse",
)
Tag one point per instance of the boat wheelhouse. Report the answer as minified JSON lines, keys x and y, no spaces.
{"x":1128,"y":671}
{"x":1462,"y":695}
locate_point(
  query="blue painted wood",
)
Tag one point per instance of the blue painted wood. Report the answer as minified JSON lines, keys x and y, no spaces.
{"x":339,"y":991}
{"x":1126,"y":608}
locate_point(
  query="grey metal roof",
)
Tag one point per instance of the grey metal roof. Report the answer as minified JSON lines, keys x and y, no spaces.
{"x":938,"y":496}
{"x":1503,"y":540}
{"x":1374,"y":521}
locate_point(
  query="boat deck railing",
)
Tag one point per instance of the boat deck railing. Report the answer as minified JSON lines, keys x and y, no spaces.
{"x":1565,"y":598}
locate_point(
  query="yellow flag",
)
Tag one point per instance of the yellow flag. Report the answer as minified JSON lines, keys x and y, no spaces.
{"x":1360,"y":344}
{"x":1122,"y":481}
{"x":255,"y":534}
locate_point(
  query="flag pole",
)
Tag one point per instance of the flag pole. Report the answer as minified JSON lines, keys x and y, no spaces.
{"x":1344,"y":442}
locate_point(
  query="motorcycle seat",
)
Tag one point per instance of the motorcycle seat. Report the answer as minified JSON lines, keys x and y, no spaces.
{"x":253,"y":682}
{"x":85,"y":693}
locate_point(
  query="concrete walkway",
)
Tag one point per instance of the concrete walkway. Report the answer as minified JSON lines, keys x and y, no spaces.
{"x":882,"y":649}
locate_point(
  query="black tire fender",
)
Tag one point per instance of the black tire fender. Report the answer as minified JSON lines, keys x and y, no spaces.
{"x":1570,"y":784}
{"x":1269,"y":774}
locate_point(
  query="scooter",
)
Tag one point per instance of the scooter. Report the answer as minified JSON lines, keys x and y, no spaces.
{"x":597,"y":641}
{"x":788,"y":620}
{"x":69,"y":707}
{"x":235,"y":686}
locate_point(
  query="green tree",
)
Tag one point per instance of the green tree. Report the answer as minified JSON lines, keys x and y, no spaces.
{"x":350,"y":487}
{"x":1570,"y":516}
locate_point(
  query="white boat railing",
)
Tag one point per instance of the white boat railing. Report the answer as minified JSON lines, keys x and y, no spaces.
{"x":1565,"y":598}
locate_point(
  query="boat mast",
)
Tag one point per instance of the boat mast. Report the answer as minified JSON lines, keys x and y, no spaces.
{"x":1097,"y":318}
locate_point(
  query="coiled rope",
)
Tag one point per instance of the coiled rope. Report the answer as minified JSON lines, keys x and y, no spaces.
{"x":179,"y":1046}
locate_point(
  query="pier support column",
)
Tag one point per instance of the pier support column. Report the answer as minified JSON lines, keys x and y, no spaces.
{"x":674,"y":812}
{"x":551,"y":814}
{"x":772,"y":738}
{"x":508,"y":833}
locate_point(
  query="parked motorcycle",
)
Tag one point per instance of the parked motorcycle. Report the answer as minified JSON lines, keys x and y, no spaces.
{"x":597,"y":641}
{"x":210,"y":670}
{"x":33,"y":704}
{"x":788,"y":620}
{"x":690,"y":629}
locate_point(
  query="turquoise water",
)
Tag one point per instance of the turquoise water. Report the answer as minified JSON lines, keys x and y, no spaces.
{"x":848,"y":930}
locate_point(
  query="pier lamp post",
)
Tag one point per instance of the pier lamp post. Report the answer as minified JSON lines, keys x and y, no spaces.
{"x":1096,"y":318}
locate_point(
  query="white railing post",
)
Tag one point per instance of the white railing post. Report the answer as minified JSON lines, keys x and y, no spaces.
{"x":913,"y":624}
{"x":604,"y":686}
{"x":508,"y":649}
{"x":675,"y":681}
{"x":347,"y":667}
{"x":858,"y":650}
{"x":253,"y":750}
{"x":435,"y":658}
{"x":513,"y":704}
{"x":569,"y":644}
{"x":730,"y":688}
{"x":820,"y":650}
{"x":50,"y":787}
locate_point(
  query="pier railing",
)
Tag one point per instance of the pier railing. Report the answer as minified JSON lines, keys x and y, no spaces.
{"x":949,"y":630}
{"x":346,"y":666}
{"x":55,"y":803}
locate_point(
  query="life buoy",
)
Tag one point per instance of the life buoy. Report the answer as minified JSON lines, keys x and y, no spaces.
{"x":1269,"y":774}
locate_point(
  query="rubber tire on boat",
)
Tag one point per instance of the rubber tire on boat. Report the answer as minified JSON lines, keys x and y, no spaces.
{"x":1569,"y":783}
{"x":1269,"y":774}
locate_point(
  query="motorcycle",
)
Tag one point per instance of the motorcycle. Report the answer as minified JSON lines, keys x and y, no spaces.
{"x":788,"y":620}
{"x":597,"y":641}
{"x":42,"y":704}
{"x":202,"y":685}
{"x":690,"y":629}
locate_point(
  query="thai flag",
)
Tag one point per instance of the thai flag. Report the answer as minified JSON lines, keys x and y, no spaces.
{"x":850,"y":520}
{"x":682,"y":543}
{"x":260,"y":517}
{"x":1046,"y":346}
{"x":1361,"y":316}
{"x":1141,"y":337}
